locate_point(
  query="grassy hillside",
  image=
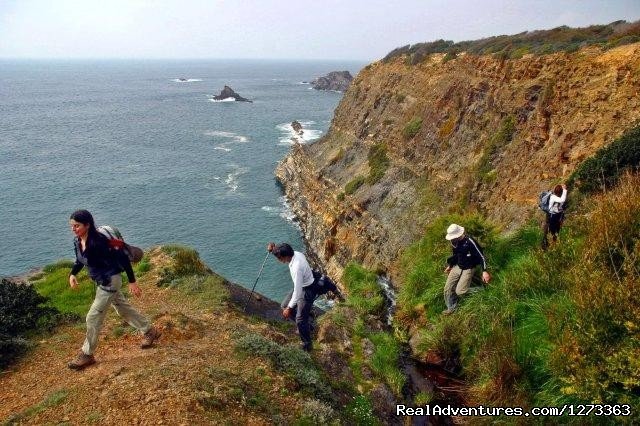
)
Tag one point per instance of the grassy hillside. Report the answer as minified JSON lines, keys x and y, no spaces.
{"x":552,"y":327}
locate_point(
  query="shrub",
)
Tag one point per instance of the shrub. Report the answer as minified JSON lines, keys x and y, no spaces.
{"x":605,"y":167}
{"x":186,"y":262}
{"x":353,"y":185}
{"x":316,"y":412}
{"x":412,"y":128}
{"x":451,"y":54}
{"x":21,"y":308}
{"x":294,"y":362}
{"x":378,"y":163}
{"x":22,"y":311}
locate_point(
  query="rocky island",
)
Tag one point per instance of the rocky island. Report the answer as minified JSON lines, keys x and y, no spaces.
{"x":228,"y":93}
{"x":335,"y":80}
{"x":297,"y":127}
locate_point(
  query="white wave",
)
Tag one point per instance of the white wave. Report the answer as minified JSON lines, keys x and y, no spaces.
{"x":284,"y":211}
{"x":232,"y":178}
{"x":222,"y":100}
{"x":227,"y":135}
{"x":188,"y":80}
{"x":222,"y":148}
{"x":290,"y":136}
{"x":287,"y":213}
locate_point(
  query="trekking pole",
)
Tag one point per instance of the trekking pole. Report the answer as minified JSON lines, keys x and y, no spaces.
{"x":255,"y":283}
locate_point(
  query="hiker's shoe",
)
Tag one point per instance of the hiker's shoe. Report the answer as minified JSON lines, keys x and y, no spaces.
{"x":306,"y":347}
{"x":448,"y":311}
{"x":149,"y":337}
{"x":81,"y":361}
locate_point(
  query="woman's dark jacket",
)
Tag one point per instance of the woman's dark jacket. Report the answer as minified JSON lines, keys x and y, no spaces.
{"x":467,"y":254}
{"x":101,"y":260}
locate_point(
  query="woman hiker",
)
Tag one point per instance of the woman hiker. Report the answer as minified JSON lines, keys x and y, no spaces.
{"x":555,"y":217}
{"x":104,"y":265}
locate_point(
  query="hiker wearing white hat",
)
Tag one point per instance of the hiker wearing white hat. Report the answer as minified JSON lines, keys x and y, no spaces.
{"x":467,"y":255}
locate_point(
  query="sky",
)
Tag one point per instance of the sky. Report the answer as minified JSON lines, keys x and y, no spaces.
{"x":269,"y":29}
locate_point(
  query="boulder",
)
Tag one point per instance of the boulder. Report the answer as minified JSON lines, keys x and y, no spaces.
{"x":335,"y":80}
{"x":227,"y":93}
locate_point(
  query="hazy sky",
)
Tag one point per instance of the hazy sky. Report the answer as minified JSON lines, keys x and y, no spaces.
{"x":324,"y":29}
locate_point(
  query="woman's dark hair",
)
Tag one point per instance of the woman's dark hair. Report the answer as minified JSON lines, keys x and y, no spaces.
{"x":283,"y":250}
{"x":557,"y":190}
{"x":85,"y":218}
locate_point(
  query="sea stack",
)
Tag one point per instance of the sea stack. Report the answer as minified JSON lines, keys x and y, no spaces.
{"x":229,"y":93}
{"x":297,"y":127}
{"x":335,"y":80}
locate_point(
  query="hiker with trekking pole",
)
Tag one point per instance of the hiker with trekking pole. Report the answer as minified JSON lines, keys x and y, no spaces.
{"x":307,"y":285}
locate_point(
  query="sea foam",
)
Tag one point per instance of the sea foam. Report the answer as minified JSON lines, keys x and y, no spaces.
{"x":290,"y":136}
{"x":188,"y":80}
{"x":222,"y":100}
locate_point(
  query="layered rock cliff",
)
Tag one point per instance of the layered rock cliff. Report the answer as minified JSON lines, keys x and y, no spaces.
{"x":411,"y":142}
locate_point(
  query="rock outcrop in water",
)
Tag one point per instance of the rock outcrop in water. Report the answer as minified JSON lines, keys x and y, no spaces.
{"x":297,"y":127}
{"x":335,"y":80}
{"x":479,"y":132}
{"x":229,"y":93}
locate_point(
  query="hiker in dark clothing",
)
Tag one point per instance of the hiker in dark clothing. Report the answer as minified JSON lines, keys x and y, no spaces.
{"x":104,"y":265}
{"x":555,"y":217}
{"x":303,"y":289}
{"x":467,"y":255}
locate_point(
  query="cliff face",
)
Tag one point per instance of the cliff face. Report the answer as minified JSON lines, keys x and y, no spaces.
{"x":474,"y":132}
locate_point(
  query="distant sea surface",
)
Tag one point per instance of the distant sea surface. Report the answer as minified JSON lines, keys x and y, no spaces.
{"x":155,"y":156}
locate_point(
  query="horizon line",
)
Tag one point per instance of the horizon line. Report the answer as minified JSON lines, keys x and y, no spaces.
{"x":50,"y":58}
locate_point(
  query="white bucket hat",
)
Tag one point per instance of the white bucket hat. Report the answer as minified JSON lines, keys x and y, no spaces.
{"x":454,"y":231}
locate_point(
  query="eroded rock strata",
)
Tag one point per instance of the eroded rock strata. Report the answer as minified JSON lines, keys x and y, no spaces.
{"x":475,"y":132}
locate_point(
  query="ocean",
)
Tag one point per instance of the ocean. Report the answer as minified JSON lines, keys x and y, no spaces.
{"x":155,"y":156}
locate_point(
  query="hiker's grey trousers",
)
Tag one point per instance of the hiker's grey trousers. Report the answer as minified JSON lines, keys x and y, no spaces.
{"x":98,"y":311}
{"x":458,"y":282}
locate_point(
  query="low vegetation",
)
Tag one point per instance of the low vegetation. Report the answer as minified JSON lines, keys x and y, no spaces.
{"x":552,"y":327}
{"x":375,"y":356}
{"x":352,"y":186}
{"x":542,"y":42}
{"x":604,"y":168}
{"x":412,"y":128}
{"x":290,"y":360}
{"x":497,"y":143}
{"x":378,"y":163}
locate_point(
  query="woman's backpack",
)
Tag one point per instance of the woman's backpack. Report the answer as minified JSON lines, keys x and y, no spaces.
{"x":543,"y":201}
{"x":116,"y":242}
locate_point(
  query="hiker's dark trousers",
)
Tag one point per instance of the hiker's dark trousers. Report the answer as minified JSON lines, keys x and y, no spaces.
{"x":303,"y":311}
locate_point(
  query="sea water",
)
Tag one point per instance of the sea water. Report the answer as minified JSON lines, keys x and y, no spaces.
{"x":155,"y":156}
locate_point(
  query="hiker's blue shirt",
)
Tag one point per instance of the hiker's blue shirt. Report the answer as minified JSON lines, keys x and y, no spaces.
{"x":467,"y":254}
{"x":101,"y":261}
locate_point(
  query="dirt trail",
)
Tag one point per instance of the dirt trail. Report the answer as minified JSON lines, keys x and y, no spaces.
{"x":129,"y":385}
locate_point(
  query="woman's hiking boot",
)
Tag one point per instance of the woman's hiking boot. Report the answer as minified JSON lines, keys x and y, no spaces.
{"x":149,"y":337}
{"x":81,"y":361}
